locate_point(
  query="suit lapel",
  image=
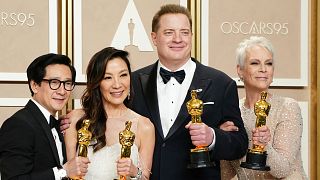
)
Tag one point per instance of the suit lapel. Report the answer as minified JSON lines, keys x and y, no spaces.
{"x":149,"y":88}
{"x":64,"y":154}
{"x":64,"y":151}
{"x":198,"y":82}
{"x":39,"y":117}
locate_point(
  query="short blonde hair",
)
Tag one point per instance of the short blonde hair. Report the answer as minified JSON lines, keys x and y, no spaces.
{"x":243,"y":46}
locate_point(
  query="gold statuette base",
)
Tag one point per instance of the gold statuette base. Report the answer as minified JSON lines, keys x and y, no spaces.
{"x":256,"y":161}
{"x":200,"y":158}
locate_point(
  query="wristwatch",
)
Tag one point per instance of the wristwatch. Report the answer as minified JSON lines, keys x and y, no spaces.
{"x":62,"y":173}
{"x":138,"y":176}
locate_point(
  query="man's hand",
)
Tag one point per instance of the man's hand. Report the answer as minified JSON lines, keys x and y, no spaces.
{"x":229,"y":126}
{"x":77,"y":167}
{"x":201,"y":134}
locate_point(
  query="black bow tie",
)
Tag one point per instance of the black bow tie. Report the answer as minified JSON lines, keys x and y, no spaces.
{"x":55,"y":124}
{"x":166,"y":75}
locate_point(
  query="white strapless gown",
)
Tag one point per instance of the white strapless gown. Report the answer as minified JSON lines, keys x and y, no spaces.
{"x":103,"y":164}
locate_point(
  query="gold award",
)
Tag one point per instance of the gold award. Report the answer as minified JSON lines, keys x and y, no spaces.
{"x":84,"y":137}
{"x":126,"y":139}
{"x":199,"y":156}
{"x":256,"y":156}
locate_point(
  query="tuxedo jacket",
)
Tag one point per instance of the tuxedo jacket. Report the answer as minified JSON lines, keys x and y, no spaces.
{"x":27,"y":146}
{"x":171,"y":153}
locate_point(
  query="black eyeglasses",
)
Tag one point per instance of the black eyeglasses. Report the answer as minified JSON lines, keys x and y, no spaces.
{"x":56,"y":83}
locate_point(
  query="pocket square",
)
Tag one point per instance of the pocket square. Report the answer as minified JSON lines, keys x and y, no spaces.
{"x":207,"y":103}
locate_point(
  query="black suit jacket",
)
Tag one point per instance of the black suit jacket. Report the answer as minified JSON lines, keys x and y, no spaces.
{"x":171,"y":153}
{"x":27,"y":147}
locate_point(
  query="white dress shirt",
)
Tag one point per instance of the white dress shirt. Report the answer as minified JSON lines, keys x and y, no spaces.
{"x":47,"y":114}
{"x":171,"y":95}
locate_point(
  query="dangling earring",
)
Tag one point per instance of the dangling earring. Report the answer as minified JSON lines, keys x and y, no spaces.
{"x":128,"y":95}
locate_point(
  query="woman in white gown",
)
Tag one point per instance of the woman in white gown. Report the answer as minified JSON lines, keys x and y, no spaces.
{"x":105,"y":105}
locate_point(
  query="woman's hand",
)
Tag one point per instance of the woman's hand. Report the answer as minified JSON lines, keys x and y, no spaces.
{"x":261,"y":135}
{"x":72,"y":116}
{"x":125,"y":167}
{"x":228,"y":126}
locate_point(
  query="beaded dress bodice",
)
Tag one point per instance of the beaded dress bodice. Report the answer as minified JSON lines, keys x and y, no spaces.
{"x":284,"y":149}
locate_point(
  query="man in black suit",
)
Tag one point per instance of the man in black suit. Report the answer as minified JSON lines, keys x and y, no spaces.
{"x":31,"y":144}
{"x":163,"y":98}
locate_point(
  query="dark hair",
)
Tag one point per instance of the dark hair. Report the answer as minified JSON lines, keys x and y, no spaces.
{"x":170,"y":9}
{"x":37,"y":69}
{"x":92,"y":98}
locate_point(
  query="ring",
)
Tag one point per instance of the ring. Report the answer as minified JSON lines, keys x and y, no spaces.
{"x":261,"y":139}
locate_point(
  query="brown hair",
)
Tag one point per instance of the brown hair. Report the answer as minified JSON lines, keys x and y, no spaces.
{"x":92,"y":97}
{"x":170,"y":9}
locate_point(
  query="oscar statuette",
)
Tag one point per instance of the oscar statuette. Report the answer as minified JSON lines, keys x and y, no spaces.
{"x":126,"y":139}
{"x":256,"y":156}
{"x":84,"y":138}
{"x":199,"y":156}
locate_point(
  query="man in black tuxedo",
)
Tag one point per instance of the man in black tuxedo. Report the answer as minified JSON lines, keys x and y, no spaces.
{"x":163,"y":98}
{"x":31,"y":144}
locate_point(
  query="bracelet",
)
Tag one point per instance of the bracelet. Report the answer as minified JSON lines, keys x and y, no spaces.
{"x":138,"y":176}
